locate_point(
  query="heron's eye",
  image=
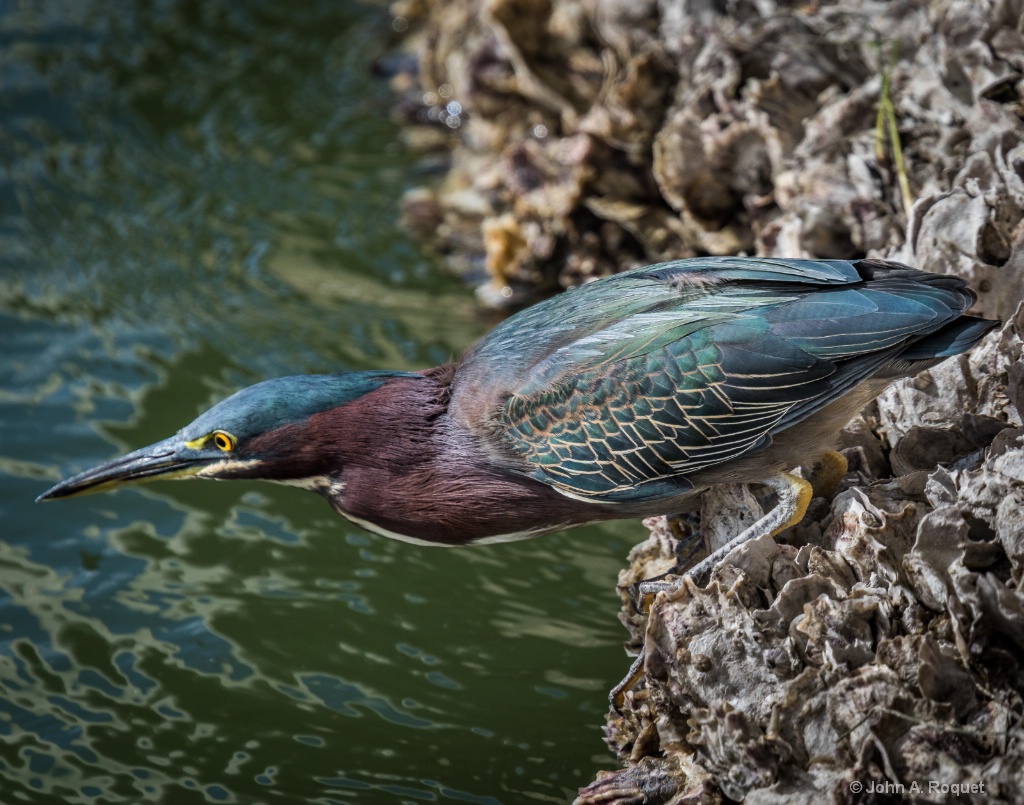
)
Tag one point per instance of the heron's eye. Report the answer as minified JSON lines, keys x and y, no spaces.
{"x":223,"y":441}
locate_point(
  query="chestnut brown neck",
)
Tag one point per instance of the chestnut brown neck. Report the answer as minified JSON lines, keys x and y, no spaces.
{"x":407,"y":470}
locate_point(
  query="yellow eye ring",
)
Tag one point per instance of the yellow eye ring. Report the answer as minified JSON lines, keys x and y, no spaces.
{"x":223,"y":441}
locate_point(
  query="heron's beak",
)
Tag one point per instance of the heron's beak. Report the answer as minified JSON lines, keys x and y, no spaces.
{"x":171,"y":458}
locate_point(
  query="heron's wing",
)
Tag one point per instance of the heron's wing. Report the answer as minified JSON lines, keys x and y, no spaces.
{"x":652,"y":379}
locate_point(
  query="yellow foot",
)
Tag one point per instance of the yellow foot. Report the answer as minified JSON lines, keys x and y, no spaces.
{"x":828,"y":473}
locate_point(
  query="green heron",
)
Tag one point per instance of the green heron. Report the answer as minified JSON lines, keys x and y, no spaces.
{"x":623,"y":398}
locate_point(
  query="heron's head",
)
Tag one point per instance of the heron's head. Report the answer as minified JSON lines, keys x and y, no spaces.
{"x":278,"y":430}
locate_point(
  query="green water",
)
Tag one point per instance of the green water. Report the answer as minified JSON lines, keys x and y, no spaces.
{"x":195,"y":196}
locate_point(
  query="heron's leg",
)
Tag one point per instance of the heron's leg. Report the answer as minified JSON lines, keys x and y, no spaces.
{"x":794,"y":496}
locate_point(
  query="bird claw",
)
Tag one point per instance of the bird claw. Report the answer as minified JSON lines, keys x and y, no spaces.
{"x":641,"y":593}
{"x":617,"y":695}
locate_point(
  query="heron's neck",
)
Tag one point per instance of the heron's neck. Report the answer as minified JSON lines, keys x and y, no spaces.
{"x":409,"y":471}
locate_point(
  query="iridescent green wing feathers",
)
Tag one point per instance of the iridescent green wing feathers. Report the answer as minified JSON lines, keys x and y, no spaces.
{"x":622,"y":389}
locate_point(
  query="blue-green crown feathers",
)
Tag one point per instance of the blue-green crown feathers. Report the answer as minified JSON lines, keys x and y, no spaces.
{"x":277,"y":402}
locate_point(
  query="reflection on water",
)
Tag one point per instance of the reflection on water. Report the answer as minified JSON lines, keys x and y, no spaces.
{"x":195,"y":196}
